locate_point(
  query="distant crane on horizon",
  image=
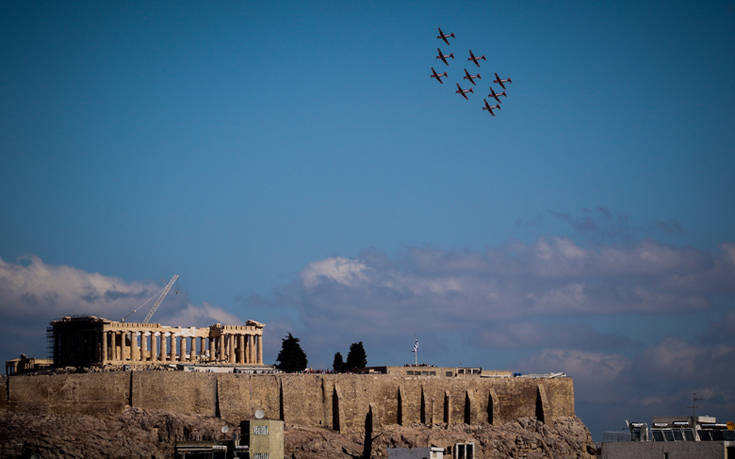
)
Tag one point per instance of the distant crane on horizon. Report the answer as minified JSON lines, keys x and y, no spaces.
{"x":154,"y":308}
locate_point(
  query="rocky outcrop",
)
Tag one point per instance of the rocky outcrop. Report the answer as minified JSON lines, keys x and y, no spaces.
{"x":153,"y":433}
{"x":132,"y":433}
{"x":564,"y":437}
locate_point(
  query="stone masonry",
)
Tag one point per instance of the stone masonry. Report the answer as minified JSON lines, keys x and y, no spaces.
{"x":339,"y":402}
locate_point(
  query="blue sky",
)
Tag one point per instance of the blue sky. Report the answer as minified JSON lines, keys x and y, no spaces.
{"x":296,"y":165}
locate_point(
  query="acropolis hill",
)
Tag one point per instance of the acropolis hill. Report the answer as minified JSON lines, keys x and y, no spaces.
{"x":340,"y":403}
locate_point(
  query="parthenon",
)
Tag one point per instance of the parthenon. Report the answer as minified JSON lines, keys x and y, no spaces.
{"x":89,"y":340}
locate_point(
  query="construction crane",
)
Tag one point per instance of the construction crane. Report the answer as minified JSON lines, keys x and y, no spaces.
{"x":161,"y":297}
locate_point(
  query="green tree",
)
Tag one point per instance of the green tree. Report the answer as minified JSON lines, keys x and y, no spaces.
{"x":356,"y":358}
{"x":338,"y":365}
{"x":291,"y":358}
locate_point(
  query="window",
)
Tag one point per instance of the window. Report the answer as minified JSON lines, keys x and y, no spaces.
{"x":409,"y":372}
{"x":433,"y":373}
{"x":657,"y":435}
{"x":678,"y":435}
{"x":689,"y":435}
{"x":464,"y":451}
{"x":669,"y":435}
{"x":449,"y":373}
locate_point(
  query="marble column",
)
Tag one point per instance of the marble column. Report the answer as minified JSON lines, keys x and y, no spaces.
{"x":182,"y":349}
{"x":231,"y":339}
{"x":164,"y":347}
{"x":260,"y":350}
{"x":240,"y":348}
{"x":104,"y":347}
{"x":135,"y":349}
{"x":221,"y":355}
{"x":143,"y":347}
{"x":211,"y":349}
{"x":155,"y":343}
{"x":174,"y":338}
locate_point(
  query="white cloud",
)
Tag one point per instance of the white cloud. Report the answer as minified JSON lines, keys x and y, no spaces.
{"x":596,"y":374}
{"x":32,"y":293}
{"x":201,"y":316}
{"x":581,"y":365}
{"x":674,"y":356}
{"x":32,"y":288}
{"x":440,"y":290}
{"x":337,"y":269}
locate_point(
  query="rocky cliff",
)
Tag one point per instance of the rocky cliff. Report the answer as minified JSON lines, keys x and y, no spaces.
{"x":141,"y":432}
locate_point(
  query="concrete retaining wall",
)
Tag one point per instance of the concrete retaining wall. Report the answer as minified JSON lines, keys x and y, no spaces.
{"x":334,"y":401}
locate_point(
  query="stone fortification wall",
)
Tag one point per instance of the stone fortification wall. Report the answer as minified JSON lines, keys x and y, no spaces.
{"x":341,"y":402}
{"x":76,"y":393}
{"x":3,"y":394}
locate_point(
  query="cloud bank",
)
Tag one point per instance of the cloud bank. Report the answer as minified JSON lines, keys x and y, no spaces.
{"x":32,"y":293}
{"x":436,"y":289}
{"x":547,"y":305}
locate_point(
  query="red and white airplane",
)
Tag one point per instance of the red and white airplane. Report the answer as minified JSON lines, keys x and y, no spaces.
{"x":489,"y":107}
{"x":500,"y":82}
{"x":444,"y":57}
{"x":444,"y":37}
{"x":467,"y":76}
{"x":495,"y":95}
{"x":475,"y":59}
{"x":463,"y":92}
{"x":438,"y":76}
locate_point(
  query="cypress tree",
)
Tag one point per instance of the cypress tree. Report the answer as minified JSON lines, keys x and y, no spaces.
{"x":338,"y":365}
{"x":291,"y":358}
{"x":356,"y":358}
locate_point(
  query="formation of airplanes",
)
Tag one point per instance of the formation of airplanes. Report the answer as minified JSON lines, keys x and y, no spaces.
{"x":470,"y":77}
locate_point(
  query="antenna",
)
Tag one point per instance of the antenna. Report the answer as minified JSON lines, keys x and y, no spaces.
{"x":693,"y":406}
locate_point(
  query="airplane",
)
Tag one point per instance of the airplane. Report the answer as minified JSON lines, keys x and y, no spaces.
{"x":444,"y":37}
{"x":495,"y":95}
{"x":475,"y":59}
{"x":500,"y":82}
{"x":463,"y":92}
{"x":444,"y":57}
{"x":467,"y":76}
{"x":489,"y":107}
{"x":438,"y":76}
